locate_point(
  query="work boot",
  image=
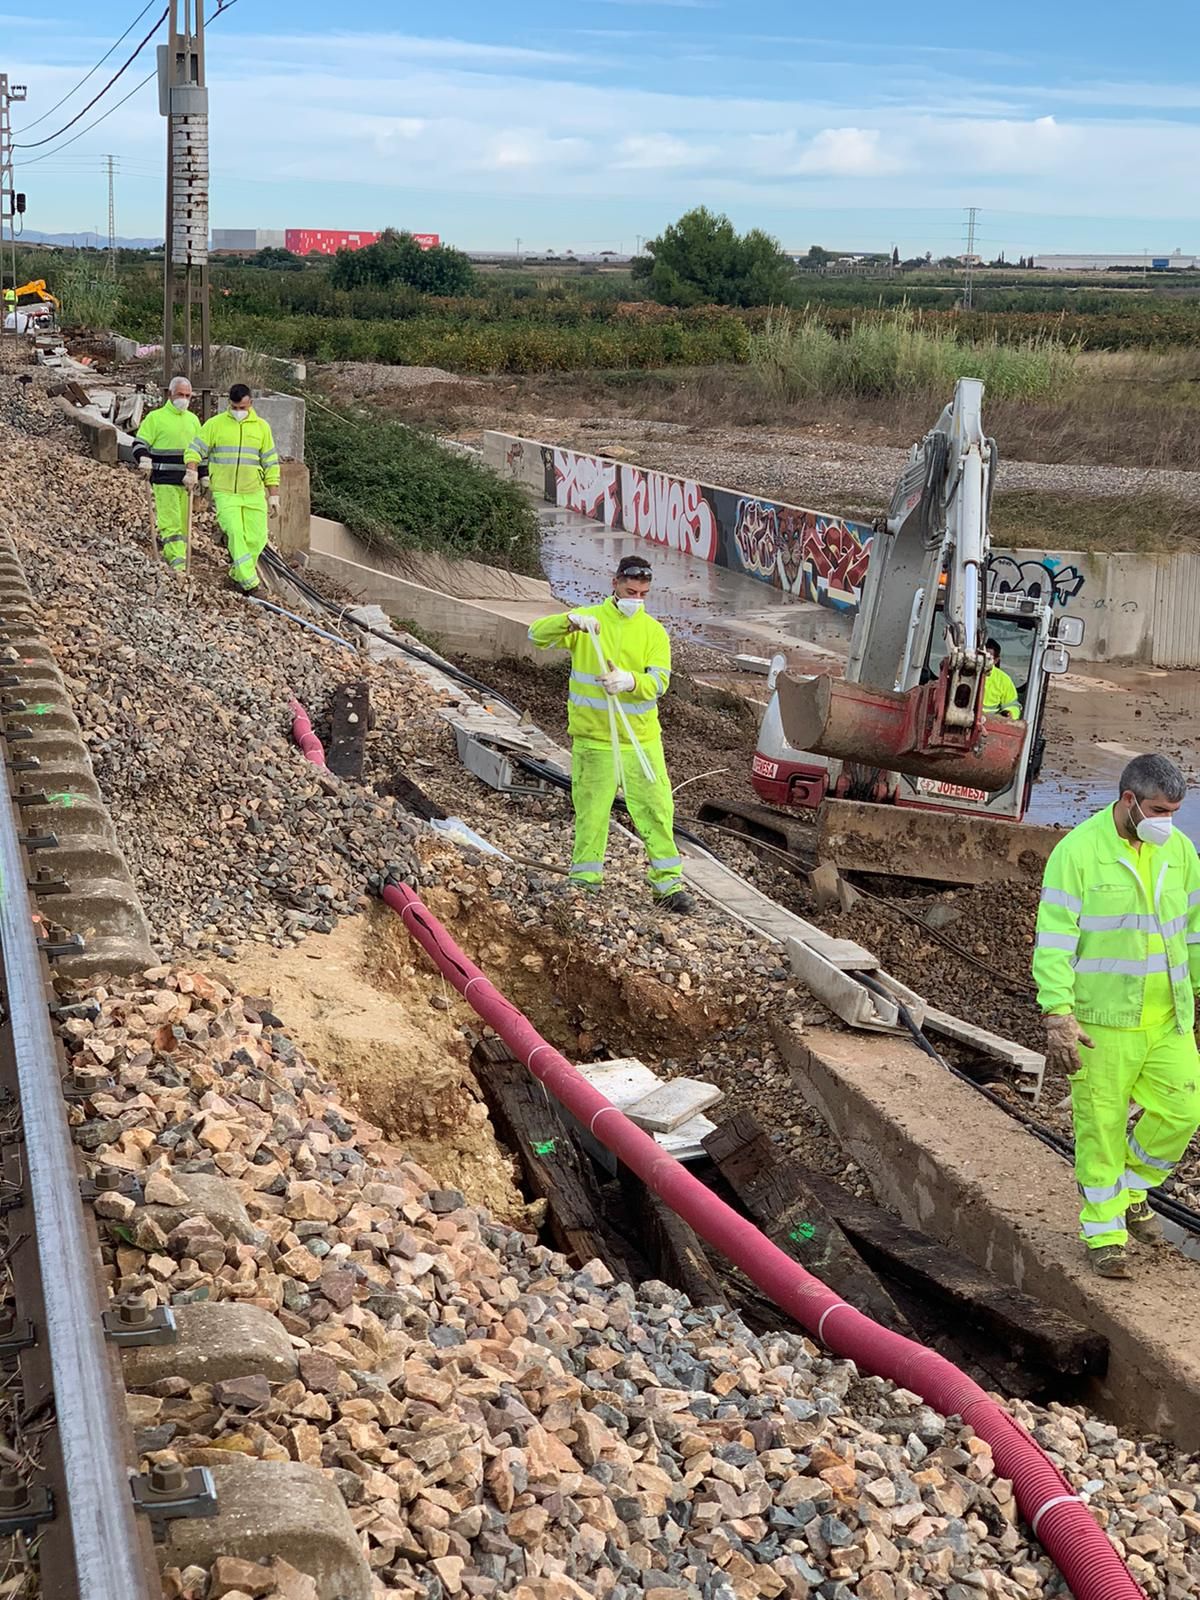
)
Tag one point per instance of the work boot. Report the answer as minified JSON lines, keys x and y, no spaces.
{"x":679,"y":903}
{"x":1108,"y":1261}
{"x":1142,"y":1223}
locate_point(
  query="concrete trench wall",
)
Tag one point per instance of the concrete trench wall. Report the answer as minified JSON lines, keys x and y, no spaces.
{"x":948,"y":1162}
{"x":1140,"y":608}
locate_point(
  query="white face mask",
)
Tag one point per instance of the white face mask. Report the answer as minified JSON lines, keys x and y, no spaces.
{"x":239,"y":416}
{"x":1154,"y":830}
{"x":629,"y":608}
{"x":181,"y":402}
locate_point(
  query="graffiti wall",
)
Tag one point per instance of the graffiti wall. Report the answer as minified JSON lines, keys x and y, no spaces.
{"x":1035,"y":577}
{"x":805,"y":554}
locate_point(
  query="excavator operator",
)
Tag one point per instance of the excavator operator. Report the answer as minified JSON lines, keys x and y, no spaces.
{"x":999,"y":691}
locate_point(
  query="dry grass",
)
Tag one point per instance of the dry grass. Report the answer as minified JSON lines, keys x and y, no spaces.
{"x":1126,"y":409}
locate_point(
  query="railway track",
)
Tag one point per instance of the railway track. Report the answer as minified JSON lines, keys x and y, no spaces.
{"x":68,"y":1492}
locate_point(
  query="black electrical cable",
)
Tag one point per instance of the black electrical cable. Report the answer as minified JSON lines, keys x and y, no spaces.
{"x":19,"y":131}
{"x":277,"y":564}
{"x":123,"y":68}
{"x":104,"y":115}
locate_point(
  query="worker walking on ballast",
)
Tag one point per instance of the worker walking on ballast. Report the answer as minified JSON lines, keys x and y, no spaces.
{"x":243,"y":470}
{"x":620,"y":670}
{"x":158,"y":450}
{"x":1117,"y":967}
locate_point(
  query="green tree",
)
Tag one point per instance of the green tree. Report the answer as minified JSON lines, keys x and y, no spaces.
{"x":282,"y":260}
{"x":701,"y":260}
{"x":397,"y":258}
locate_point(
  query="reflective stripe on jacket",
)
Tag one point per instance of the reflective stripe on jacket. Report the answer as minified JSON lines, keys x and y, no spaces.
{"x":164,"y":436}
{"x":638,"y":644}
{"x":1000,"y":694}
{"x":241,"y":456}
{"x":1095,"y":927}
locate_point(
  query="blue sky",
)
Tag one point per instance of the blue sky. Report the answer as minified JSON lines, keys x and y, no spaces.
{"x":585,"y":126}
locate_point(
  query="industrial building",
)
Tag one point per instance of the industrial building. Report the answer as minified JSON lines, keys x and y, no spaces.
{"x":301,"y":241}
{"x":1140,"y":261}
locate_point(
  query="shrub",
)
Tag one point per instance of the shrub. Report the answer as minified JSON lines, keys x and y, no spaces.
{"x":395,"y":485}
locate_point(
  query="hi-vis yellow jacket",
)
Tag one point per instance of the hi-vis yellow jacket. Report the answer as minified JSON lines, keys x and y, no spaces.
{"x":241,"y":456}
{"x":638,"y":644}
{"x":1099,"y":938}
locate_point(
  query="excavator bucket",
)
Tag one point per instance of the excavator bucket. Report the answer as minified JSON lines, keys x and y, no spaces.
{"x":895,"y":732}
{"x":942,"y":846}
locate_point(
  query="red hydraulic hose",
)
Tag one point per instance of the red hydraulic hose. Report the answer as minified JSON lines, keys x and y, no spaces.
{"x":302,"y":732}
{"x":1058,"y":1517}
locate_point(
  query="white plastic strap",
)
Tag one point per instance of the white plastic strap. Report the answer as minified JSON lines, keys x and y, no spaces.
{"x":599,"y":1114}
{"x":1056,"y":1500}
{"x":840,"y":1306}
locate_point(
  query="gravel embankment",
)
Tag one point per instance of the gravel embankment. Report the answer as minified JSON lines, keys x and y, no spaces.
{"x":501,"y":1425}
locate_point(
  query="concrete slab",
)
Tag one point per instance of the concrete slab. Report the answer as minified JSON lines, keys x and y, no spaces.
{"x":948,"y":1162}
{"x":275,"y":1508}
{"x":217,"y":1340}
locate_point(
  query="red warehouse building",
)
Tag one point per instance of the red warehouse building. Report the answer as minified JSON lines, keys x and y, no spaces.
{"x":328,"y":241}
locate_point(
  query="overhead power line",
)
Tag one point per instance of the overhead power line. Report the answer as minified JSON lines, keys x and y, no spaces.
{"x":125,"y":65}
{"x":104,"y":115}
{"x":220,"y":11}
{"x":87,"y":75}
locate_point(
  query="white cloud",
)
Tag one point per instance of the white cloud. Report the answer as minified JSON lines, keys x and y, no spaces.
{"x":660,"y":152}
{"x":846,"y":153}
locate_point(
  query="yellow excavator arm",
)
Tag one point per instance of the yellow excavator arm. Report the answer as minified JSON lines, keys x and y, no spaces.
{"x":36,"y":289}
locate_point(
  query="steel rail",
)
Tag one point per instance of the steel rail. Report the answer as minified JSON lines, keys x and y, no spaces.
{"x":89,"y":1426}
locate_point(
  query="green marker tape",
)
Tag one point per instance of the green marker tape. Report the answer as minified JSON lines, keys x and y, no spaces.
{"x":544,"y":1147}
{"x":805,"y":1231}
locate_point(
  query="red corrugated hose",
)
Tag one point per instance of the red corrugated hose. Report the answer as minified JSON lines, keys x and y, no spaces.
{"x":1056,"y":1514}
{"x":302,"y":732}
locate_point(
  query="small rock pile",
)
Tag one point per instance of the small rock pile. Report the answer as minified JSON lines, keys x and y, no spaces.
{"x":499,"y":1424}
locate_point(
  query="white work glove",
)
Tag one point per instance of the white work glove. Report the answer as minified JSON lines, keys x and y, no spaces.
{"x":578,"y":623}
{"x":618,"y":681}
{"x":1063,"y":1038}
{"x":145,"y":465}
{"x":190,"y":479}
{"x":273,"y":505}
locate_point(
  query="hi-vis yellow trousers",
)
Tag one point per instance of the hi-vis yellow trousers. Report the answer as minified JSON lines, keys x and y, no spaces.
{"x":651,"y":809}
{"x":1115,"y":1166}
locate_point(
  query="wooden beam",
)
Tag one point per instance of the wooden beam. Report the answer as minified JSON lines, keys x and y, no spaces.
{"x":776,"y":1195}
{"x":1028,"y":1329}
{"x":528,"y":1121}
{"x":670,"y":1245}
{"x":347,"y":741}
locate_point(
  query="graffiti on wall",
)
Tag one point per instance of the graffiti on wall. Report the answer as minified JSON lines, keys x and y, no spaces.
{"x":587,"y":484}
{"x":669,"y":511}
{"x":1044,"y":579}
{"x":813,"y":557}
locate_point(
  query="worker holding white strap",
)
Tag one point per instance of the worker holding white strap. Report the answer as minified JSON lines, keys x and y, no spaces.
{"x":620,"y":670}
{"x":1117,"y":967}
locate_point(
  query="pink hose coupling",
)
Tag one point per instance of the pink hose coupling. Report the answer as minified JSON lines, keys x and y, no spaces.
{"x":302,"y":733}
{"x":1053,"y":1510}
